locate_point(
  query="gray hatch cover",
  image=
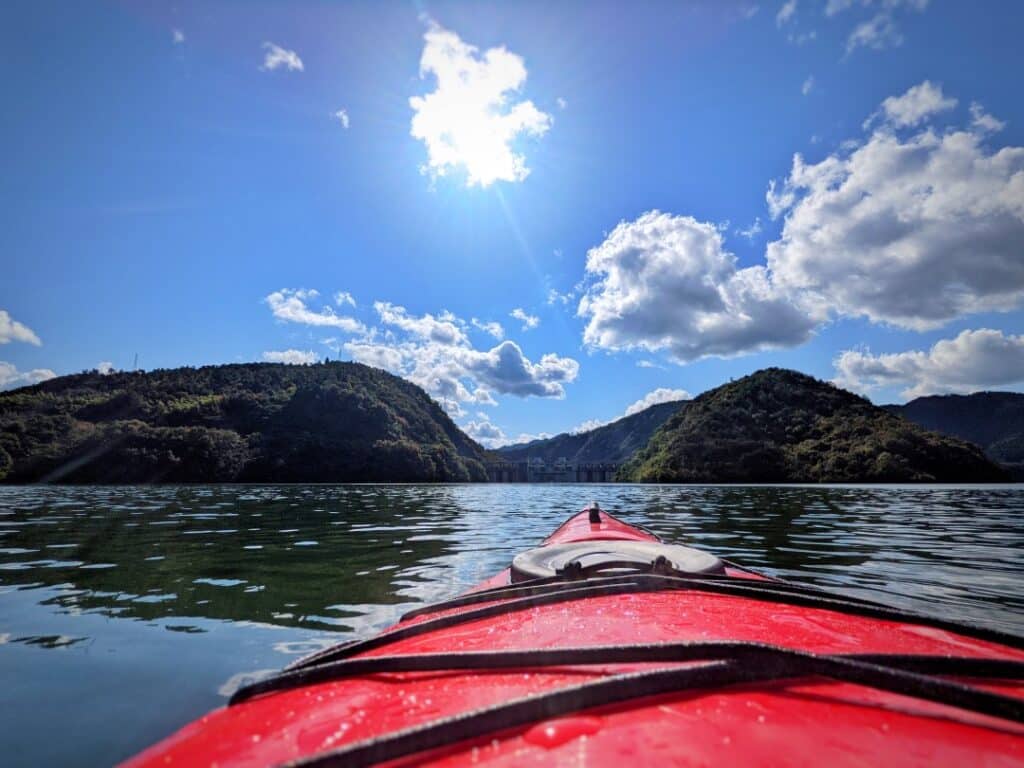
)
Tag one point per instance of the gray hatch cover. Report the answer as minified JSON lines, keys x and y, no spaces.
{"x":615,"y":554}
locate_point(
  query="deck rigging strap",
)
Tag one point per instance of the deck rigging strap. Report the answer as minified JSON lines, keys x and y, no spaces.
{"x":537,"y":586}
{"x":760,"y":664}
{"x":644,"y":653}
{"x":553,"y":592}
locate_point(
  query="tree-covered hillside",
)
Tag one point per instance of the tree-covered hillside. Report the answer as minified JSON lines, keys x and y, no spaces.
{"x":782,"y":426}
{"x":612,"y":443}
{"x":993,"y":420}
{"x":258,"y":422}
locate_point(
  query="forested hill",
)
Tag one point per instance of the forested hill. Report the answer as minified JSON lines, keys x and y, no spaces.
{"x":782,"y":426}
{"x":993,"y":420}
{"x":258,"y":422}
{"x":613,"y":442}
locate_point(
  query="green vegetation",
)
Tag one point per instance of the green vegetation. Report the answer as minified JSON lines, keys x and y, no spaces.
{"x":258,"y":422}
{"x":345,"y":422}
{"x":613,"y":443}
{"x":782,"y":426}
{"x":993,"y":420}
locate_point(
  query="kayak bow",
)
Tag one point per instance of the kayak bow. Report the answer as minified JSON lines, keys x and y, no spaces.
{"x":606,"y":645}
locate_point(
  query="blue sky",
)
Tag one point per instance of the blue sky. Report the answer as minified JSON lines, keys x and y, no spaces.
{"x":229,"y":181}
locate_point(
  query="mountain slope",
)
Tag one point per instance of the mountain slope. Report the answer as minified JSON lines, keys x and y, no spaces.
{"x":257,"y":422}
{"x":613,"y":443}
{"x":782,"y":426}
{"x":993,"y":420}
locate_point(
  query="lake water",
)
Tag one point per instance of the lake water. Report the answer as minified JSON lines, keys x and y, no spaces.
{"x":126,"y":612}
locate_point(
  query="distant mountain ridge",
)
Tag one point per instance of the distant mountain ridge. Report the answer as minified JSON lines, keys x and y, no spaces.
{"x":992,"y":420}
{"x":613,"y":443}
{"x":346,"y":422}
{"x":257,"y":422}
{"x":778,"y":425}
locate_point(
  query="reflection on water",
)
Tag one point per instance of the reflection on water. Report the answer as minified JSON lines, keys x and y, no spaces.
{"x":109,"y":595}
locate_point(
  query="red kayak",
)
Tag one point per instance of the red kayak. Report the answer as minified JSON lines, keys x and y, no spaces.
{"x":605,"y":646}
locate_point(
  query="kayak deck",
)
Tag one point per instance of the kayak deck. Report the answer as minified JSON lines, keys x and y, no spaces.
{"x":800,"y":719}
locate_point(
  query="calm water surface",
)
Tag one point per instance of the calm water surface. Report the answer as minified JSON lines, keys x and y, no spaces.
{"x":126,"y":612}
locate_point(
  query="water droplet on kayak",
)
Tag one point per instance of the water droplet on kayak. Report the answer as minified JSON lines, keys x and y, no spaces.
{"x":553,"y":733}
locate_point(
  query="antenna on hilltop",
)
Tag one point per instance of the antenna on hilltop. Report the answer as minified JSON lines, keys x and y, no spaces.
{"x":135,"y":365}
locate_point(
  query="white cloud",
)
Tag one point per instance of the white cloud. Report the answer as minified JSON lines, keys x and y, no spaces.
{"x":493,"y":328}
{"x":12,"y":330}
{"x":913,"y":107}
{"x":836,"y":6}
{"x":808,"y":85}
{"x":878,"y":32}
{"x":799,"y":38}
{"x":750,"y":12}
{"x":786,"y":13}
{"x":751,"y":232}
{"x":665,"y":282}
{"x":909,"y":231}
{"x":435,"y":353}
{"x":430,"y":350}
{"x":562,"y":103}
{"x":341,"y":298}
{"x":177,"y":36}
{"x":277,"y":57}
{"x":490,"y":435}
{"x":447,"y":371}
{"x":654,"y":397}
{"x":555,"y":296}
{"x":483,"y":396}
{"x":832,"y":7}
{"x":471,"y":119}
{"x":484,"y":432}
{"x":375,"y":354}
{"x":444,"y":329}
{"x":648,"y":364}
{"x":972,"y":361}
{"x":529,"y":321}
{"x":588,"y":425}
{"x":505,"y":369}
{"x":983,"y":121}
{"x":12,"y":378}
{"x":786,"y":16}
{"x":290,"y":306}
{"x":291,"y":356}
{"x":105,"y":368}
{"x":342,"y":117}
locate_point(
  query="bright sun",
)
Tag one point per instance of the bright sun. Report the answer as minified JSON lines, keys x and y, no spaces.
{"x":469,"y":120}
